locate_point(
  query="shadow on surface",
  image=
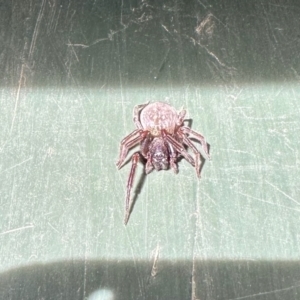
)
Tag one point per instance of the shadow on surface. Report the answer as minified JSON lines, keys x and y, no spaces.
{"x":132,"y":280}
{"x":98,"y":43}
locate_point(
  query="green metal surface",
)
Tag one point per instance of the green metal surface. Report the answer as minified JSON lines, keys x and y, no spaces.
{"x":71,"y":75}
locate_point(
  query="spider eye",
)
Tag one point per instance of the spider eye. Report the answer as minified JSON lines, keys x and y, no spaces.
{"x":160,"y":157}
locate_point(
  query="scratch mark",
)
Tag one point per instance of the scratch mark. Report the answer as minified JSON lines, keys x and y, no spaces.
{"x":19,"y":164}
{"x":238,"y":151}
{"x":86,"y":46}
{"x":193,"y":297}
{"x":85,"y":265}
{"x":165,"y":28}
{"x":282,"y":192}
{"x":210,"y":198}
{"x":196,"y":235}
{"x":17,"y":229}
{"x":55,"y":229}
{"x":74,"y":51}
{"x":155,"y":260}
{"x":140,"y":282}
{"x":266,"y":293}
{"x":216,"y":57}
{"x":36,"y":30}
{"x":210,"y":53}
{"x":202,"y":4}
{"x":206,"y":27}
{"x":265,"y":201}
{"x":17,"y":99}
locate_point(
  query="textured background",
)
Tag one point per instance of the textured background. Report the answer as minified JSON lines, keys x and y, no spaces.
{"x":71,"y":73}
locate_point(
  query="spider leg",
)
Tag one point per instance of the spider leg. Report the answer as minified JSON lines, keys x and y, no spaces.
{"x":178,"y":147}
{"x":181,"y":116}
{"x":136,"y":115}
{"x":134,"y":160}
{"x":173,"y":156}
{"x":197,"y":136}
{"x":149,"y":166}
{"x":128,"y":142}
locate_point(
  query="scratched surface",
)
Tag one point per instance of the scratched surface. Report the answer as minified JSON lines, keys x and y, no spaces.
{"x":71,"y":74}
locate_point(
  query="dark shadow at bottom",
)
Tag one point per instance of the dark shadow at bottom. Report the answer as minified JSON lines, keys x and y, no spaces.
{"x":95,"y":280}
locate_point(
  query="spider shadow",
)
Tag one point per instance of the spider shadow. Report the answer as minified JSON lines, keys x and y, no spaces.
{"x":203,"y":160}
{"x":189,"y":123}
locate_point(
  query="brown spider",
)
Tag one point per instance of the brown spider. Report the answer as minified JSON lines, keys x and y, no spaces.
{"x":163,"y":138}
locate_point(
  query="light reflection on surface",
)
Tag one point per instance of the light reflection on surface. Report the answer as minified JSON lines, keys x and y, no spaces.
{"x":101,"y":294}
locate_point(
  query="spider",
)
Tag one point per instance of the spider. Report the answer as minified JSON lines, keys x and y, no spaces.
{"x":163,"y":138}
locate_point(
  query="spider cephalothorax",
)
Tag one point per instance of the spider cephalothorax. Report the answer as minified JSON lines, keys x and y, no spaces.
{"x":163,"y":138}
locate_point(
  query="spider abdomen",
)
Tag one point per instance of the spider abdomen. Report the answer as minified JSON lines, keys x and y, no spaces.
{"x":158,"y":116}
